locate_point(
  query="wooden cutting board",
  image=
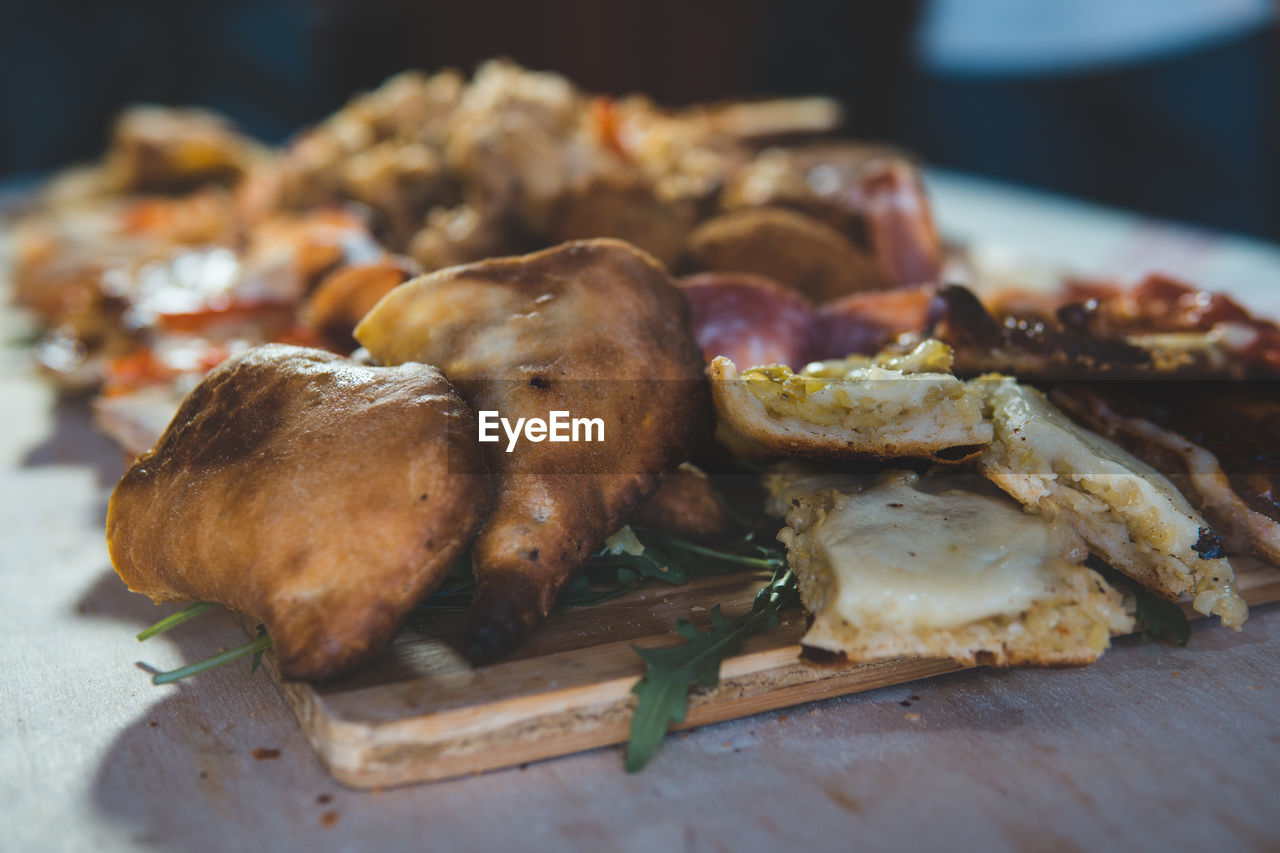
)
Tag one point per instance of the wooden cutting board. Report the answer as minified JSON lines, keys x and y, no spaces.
{"x":422,"y":713}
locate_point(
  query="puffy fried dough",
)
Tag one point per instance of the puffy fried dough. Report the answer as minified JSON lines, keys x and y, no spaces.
{"x":788,"y":247}
{"x":346,"y":295}
{"x":593,"y":328}
{"x":607,"y":204}
{"x":687,"y":504}
{"x":321,"y":497}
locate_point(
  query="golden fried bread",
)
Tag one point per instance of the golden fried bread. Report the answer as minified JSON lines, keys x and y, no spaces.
{"x":857,"y":407}
{"x":789,"y":247}
{"x":688,"y":505}
{"x":622,"y":205}
{"x":321,"y":497}
{"x":904,"y":566}
{"x":1128,"y":512}
{"x":594,"y":328}
{"x":345,"y":295}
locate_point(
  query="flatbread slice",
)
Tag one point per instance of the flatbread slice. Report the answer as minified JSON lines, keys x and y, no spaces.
{"x":593,"y":328}
{"x":1129,"y":513}
{"x":910,"y":406}
{"x":904,"y":566}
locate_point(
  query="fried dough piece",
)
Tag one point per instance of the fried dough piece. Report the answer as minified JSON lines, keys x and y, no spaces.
{"x":163,"y":149}
{"x":593,"y":328}
{"x":323,"y":498}
{"x":896,"y":407}
{"x":1128,"y":512}
{"x":345,"y":295}
{"x":687,"y":505}
{"x":622,"y":205}
{"x":789,"y":247}
{"x":904,"y":566}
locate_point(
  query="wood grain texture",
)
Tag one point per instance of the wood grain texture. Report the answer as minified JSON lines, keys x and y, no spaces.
{"x":422,"y":713}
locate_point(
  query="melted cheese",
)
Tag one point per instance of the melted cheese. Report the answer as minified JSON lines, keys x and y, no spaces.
{"x":905,"y":559}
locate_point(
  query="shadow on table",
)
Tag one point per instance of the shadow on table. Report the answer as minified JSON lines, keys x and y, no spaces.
{"x":177,"y":776}
{"x":210,"y":765}
{"x":73,"y":440}
{"x":205,"y":635}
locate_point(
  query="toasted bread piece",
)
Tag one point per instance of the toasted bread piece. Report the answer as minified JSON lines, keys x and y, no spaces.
{"x":1129,"y":513}
{"x":686,"y":504}
{"x":789,"y":247}
{"x":895,"y":407}
{"x":323,"y":498}
{"x":896,"y":566}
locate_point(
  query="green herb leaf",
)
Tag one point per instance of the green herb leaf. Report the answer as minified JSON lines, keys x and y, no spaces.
{"x":628,"y":559}
{"x":259,"y":643}
{"x":257,"y":656}
{"x":175,"y":619}
{"x":663,"y":691}
{"x":1157,"y":619}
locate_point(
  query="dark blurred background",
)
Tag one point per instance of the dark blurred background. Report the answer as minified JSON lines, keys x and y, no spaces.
{"x":1171,"y":107}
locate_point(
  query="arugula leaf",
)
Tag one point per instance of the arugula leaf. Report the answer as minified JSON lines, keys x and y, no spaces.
{"x":1156,"y":618}
{"x":254,"y":646}
{"x":627,"y":559}
{"x":257,"y":656}
{"x":671,"y":673}
{"x":173,"y":620}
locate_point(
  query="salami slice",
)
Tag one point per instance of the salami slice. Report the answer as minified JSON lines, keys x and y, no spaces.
{"x":866,"y":322}
{"x":750,"y":319}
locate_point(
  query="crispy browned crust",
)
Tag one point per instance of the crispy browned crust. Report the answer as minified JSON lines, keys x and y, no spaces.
{"x":348,"y":293}
{"x":1004,"y":658}
{"x":790,"y":247}
{"x":323,"y":498}
{"x":747,"y":426}
{"x":595,"y":328}
{"x":688,"y":505}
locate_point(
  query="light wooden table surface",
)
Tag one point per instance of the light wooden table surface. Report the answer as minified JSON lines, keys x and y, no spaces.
{"x":1154,"y":747}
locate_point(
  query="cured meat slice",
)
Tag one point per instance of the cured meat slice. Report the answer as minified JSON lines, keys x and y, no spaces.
{"x":749,"y":319}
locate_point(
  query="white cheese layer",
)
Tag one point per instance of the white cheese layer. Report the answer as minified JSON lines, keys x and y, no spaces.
{"x":905,"y":559}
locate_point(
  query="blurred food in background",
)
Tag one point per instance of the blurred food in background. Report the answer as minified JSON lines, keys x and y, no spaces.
{"x":188,"y":242}
{"x":1172,"y":108}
